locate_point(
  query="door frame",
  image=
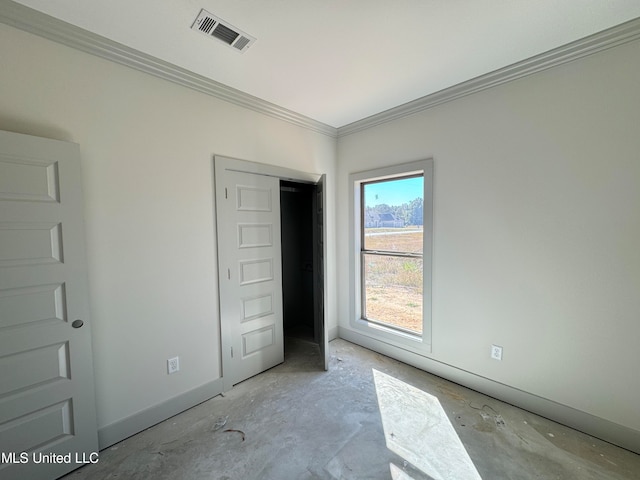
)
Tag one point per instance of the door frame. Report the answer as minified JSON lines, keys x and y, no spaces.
{"x":222,"y":163}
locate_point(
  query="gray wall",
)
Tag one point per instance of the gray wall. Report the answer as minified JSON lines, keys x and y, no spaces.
{"x":536,"y":219}
{"x":147,"y":149}
{"x":537,"y":228}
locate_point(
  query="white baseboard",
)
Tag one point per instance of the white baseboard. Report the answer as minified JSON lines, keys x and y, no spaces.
{"x":118,"y":431}
{"x":598,"y":427}
{"x":606,"y":430}
{"x":333,"y":333}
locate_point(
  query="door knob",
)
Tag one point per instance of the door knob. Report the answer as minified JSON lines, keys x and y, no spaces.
{"x":77,"y":323}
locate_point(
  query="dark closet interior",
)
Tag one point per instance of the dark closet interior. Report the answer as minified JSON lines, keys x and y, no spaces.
{"x":297,"y":216}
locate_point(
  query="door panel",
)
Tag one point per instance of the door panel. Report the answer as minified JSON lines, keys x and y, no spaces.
{"x":250,"y":273}
{"x":30,"y":243}
{"x":53,"y":367}
{"x":256,"y":271}
{"x":257,"y":307}
{"x":319,"y":287}
{"x":20,"y":180}
{"x":47,"y":400}
{"x":40,"y":304}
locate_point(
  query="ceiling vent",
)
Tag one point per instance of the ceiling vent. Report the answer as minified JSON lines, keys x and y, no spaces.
{"x":215,"y":27}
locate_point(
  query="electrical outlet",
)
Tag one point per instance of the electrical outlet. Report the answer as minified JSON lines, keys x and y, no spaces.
{"x":496,"y":352}
{"x":173,"y":365}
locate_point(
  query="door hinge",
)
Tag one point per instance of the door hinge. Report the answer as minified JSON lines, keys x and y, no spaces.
{"x":226,"y":193}
{"x":229,"y":273}
{"x":231,"y":352}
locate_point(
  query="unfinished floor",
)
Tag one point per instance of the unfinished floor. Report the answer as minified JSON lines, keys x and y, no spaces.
{"x":368,"y":417}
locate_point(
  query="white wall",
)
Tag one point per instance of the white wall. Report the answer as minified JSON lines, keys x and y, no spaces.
{"x":536,"y":219}
{"x":147,"y":147}
{"x":537,"y":229}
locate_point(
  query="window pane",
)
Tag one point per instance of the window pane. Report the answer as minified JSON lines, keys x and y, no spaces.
{"x":393,"y":240}
{"x":393,"y":291}
{"x":393,"y":215}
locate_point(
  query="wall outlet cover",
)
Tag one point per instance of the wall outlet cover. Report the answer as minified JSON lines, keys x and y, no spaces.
{"x":173,"y":365}
{"x":496,"y":352}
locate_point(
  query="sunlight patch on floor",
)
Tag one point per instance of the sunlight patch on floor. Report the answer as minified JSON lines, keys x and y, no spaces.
{"x":417,"y":429}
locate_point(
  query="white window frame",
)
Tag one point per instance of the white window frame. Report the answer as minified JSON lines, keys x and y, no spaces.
{"x":414,"y":342}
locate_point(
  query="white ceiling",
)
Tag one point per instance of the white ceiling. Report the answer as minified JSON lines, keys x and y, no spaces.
{"x":338,"y":61}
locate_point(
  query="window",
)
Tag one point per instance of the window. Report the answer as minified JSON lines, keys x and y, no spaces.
{"x":391,"y":249}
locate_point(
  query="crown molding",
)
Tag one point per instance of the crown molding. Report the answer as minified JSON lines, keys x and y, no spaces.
{"x":619,"y":35}
{"x":38,"y":23}
{"x":43,"y":25}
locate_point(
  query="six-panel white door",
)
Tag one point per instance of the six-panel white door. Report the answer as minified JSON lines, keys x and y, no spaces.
{"x":47,"y":400}
{"x":248,"y":222}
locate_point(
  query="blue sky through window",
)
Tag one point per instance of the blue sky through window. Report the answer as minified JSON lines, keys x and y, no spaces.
{"x":394,"y":192}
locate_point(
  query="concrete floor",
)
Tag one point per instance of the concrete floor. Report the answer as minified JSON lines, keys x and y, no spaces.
{"x":369,"y":417}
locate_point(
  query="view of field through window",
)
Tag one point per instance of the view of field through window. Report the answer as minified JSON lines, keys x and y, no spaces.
{"x":392,"y":220}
